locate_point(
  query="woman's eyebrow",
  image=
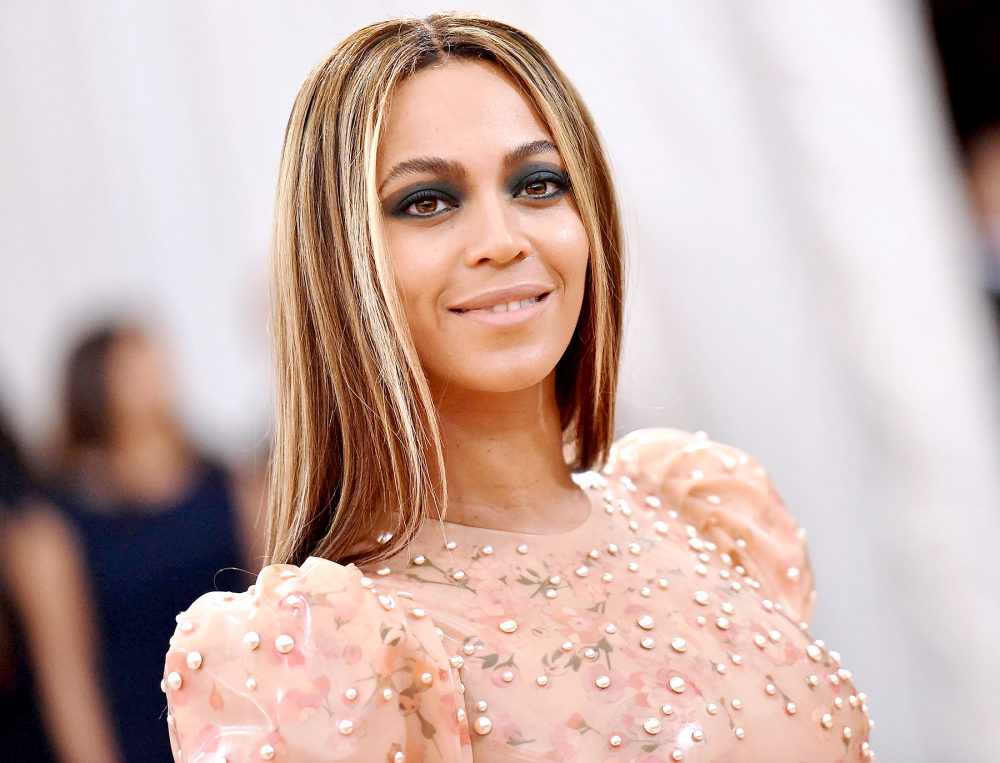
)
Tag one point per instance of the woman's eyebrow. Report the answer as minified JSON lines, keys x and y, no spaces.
{"x":437,"y":165}
{"x":522,"y":152}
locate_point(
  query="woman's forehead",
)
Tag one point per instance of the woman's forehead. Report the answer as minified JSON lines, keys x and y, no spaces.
{"x":463,"y":110}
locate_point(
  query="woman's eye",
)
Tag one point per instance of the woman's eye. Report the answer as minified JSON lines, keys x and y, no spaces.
{"x":538,"y":187}
{"x":427,"y":204}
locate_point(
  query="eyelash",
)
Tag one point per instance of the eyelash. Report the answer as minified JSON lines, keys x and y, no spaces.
{"x":562,"y":184}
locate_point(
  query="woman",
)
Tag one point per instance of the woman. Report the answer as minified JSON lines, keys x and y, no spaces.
{"x":157,"y":522}
{"x":448,"y":320}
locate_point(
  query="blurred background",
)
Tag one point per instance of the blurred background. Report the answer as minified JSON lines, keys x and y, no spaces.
{"x":812,"y":198}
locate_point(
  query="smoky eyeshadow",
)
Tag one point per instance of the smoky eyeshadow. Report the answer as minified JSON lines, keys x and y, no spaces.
{"x":396,"y":203}
{"x":534,"y":168}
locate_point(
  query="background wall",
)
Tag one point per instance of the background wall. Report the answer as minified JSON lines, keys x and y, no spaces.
{"x":803,"y":279}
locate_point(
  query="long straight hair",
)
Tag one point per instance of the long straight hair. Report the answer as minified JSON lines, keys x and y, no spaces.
{"x":357,"y":455}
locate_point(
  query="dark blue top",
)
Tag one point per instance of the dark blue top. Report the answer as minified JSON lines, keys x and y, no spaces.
{"x":145,"y":565}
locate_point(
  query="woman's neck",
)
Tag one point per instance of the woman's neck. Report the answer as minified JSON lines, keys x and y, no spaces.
{"x":145,"y":465}
{"x":504,"y":461}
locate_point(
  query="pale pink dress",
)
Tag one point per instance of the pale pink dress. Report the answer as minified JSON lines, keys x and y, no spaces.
{"x":671,"y":625}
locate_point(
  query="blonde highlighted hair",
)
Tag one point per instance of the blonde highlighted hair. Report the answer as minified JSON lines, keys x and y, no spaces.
{"x":357,"y":453}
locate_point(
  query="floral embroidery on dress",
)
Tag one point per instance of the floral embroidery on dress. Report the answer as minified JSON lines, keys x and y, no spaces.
{"x":672,"y":625}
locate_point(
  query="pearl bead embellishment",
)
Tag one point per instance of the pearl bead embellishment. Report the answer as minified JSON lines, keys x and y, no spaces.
{"x":519,"y":621}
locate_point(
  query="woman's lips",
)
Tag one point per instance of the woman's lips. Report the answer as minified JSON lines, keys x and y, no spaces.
{"x":525,"y":311}
{"x":503,"y":296}
{"x":504,"y":307}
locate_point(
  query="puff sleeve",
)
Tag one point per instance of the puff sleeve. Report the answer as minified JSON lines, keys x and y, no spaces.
{"x":311,"y":663}
{"x":728,"y":497}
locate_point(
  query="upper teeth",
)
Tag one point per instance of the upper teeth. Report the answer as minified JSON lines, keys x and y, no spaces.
{"x":505,"y":307}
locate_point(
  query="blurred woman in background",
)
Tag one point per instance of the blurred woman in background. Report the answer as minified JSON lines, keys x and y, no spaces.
{"x":47,"y":634}
{"x":157,"y":520}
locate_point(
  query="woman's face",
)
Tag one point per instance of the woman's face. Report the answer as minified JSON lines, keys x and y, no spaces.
{"x":138,"y":381}
{"x":489,"y":250}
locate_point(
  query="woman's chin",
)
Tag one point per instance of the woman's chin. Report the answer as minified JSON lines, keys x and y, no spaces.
{"x":499,"y":379}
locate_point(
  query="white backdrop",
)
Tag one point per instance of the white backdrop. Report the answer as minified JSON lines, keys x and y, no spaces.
{"x":802,"y":278}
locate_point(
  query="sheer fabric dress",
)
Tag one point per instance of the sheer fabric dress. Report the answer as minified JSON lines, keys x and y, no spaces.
{"x":671,"y":625}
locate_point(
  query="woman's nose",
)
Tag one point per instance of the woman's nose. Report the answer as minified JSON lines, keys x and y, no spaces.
{"x":494,"y":233}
